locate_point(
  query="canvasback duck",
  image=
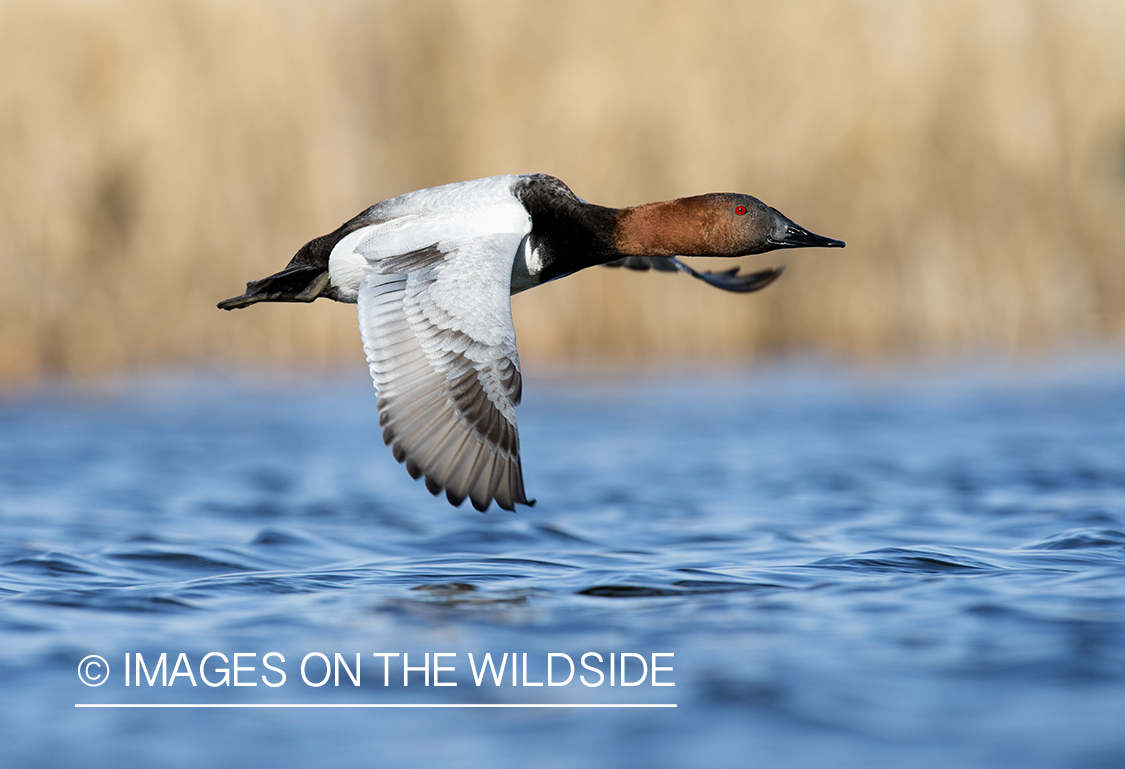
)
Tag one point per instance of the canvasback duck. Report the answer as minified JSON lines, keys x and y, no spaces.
{"x":432,"y":272}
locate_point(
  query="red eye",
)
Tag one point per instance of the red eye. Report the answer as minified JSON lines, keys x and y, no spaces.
{"x":740,"y":210}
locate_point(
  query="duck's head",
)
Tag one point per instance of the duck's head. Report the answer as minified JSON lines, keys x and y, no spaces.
{"x":717,"y":224}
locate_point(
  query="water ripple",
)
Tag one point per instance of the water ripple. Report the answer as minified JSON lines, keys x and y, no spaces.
{"x":846,"y":566}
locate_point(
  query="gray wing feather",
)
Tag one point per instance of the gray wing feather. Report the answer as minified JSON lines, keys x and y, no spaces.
{"x":728,"y":280}
{"x":446,"y":369}
{"x":659,"y":263}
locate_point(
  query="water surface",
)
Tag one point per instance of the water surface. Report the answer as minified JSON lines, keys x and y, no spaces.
{"x":913,"y":571}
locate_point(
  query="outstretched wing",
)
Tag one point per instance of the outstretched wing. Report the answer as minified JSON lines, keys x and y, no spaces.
{"x":437,"y":328}
{"x":728,"y":280}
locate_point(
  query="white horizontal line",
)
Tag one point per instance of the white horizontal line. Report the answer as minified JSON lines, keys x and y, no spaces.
{"x":369,"y":705}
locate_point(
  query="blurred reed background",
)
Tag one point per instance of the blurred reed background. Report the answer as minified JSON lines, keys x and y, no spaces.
{"x":157,"y":154}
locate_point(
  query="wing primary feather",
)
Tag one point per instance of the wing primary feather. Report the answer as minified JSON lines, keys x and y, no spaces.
{"x":481,"y":491}
{"x":415,"y":427}
{"x":430,"y":449}
{"x":424,"y":442}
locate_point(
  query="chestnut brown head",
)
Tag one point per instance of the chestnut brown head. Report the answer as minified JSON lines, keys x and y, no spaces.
{"x":717,"y":224}
{"x":754,"y":228}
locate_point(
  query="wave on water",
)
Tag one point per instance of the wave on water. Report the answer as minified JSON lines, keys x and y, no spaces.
{"x":908,"y":572}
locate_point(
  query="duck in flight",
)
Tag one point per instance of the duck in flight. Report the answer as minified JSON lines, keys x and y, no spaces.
{"x":433,"y":271}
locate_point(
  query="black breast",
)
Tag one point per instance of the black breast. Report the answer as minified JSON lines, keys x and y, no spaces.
{"x":568,"y":234}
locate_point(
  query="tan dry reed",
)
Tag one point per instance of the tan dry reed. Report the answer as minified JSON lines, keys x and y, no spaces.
{"x":155,"y":155}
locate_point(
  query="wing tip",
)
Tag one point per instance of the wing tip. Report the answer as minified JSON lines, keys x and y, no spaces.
{"x":480,"y":505}
{"x":731,"y":280}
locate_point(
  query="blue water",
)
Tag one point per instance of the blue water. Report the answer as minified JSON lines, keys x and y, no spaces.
{"x":906,"y":570}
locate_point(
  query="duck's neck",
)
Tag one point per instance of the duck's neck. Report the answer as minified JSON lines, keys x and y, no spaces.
{"x":681,"y":227}
{"x":569,"y":234}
